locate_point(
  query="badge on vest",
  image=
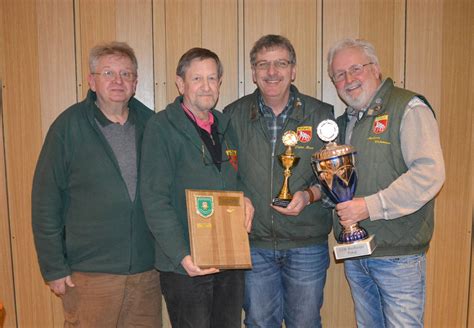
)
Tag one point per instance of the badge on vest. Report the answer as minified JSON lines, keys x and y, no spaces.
{"x":380,"y":124}
{"x":232,"y":155}
{"x":304,"y":133}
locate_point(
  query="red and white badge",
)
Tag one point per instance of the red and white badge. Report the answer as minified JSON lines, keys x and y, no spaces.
{"x":232,"y":155}
{"x":304,"y":133}
{"x":380,"y":124}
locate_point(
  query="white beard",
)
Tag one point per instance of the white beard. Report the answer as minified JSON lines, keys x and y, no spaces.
{"x":358,"y":103}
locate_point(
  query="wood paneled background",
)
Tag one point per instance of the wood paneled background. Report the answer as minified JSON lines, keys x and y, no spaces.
{"x":424,"y":45}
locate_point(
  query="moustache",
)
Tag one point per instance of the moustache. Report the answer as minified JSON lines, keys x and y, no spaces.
{"x":352,"y":86}
{"x":272,"y":79}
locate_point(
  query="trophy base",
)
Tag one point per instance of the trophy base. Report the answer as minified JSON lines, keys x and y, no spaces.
{"x":355,"y":249}
{"x":281,"y":202}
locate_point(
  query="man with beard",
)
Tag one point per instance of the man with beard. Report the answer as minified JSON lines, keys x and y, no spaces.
{"x":288,"y":245}
{"x":400,"y":170}
{"x":185,"y":146}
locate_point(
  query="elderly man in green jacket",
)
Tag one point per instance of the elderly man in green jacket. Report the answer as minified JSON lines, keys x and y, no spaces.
{"x":93,"y":244}
{"x":186,"y":146}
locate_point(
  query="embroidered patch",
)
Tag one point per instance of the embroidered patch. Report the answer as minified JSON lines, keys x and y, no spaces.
{"x":304,"y":133}
{"x":380,"y":124}
{"x":232,"y":155}
{"x":204,"y":206}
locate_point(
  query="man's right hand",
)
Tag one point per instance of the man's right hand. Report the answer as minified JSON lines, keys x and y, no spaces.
{"x":193,"y":270}
{"x":58,"y":286}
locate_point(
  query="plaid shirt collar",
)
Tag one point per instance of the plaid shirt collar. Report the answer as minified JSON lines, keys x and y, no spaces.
{"x":275,"y":123}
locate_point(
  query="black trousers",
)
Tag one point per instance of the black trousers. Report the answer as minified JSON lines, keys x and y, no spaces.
{"x":211,"y":301}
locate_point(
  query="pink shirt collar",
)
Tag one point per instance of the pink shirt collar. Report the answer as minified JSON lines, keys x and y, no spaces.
{"x":206,"y":125}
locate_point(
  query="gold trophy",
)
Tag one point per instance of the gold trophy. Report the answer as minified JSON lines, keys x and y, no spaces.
{"x":288,"y":160}
{"x":334,"y":166}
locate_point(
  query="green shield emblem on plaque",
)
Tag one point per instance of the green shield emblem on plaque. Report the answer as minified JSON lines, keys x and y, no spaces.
{"x":204,"y":206}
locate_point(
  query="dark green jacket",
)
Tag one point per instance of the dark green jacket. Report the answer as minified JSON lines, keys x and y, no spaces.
{"x":260,"y":175}
{"x":174,"y":158}
{"x":379,"y":162}
{"x":83,"y":217}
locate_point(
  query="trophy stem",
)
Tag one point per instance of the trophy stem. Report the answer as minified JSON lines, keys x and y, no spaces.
{"x":352,"y":234}
{"x":285,"y":191}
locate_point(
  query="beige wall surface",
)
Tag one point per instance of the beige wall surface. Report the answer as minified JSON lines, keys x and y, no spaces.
{"x":424,"y":45}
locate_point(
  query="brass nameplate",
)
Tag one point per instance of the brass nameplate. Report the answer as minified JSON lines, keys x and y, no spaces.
{"x":229,"y":201}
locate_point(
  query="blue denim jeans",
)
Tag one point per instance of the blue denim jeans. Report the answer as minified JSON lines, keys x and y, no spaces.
{"x":388,"y":291}
{"x":286,"y":285}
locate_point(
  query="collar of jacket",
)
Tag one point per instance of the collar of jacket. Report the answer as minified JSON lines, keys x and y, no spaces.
{"x":380,"y":98}
{"x":94,"y":112}
{"x":298,"y":106}
{"x":177,"y":117}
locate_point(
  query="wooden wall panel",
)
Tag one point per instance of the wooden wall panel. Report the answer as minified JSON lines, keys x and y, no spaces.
{"x":470,"y":322}
{"x":56,"y":69}
{"x":383,"y":24}
{"x":379,"y":22}
{"x":122,"y":20}
{"x":96,"y":23}
{"x":297,"y":20}
{"x":56,"y":58}
{"x":210,"y":24}
{"x":183,"y":31}
{"x":134,"y":25}
{"x":436,"y":67}
{"x":22,"y":129}
{"x":7,"y":296}
{"x":220,"y":34}
{"x":423,"y":59}
{"x":340,"y":20}
{"x":159,"y":54}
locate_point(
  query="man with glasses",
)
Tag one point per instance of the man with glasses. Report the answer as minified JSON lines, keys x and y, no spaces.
{"x":288,"y":245}
{"x":186,"y":146}
{"x":94,"y":247}
{"x":400,"y":169}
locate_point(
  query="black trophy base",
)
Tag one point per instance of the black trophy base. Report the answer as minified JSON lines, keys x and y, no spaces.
{"x":281,"y":202}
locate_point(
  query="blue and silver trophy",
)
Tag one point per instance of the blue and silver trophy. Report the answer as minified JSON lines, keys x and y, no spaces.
{"x":334,"y":166}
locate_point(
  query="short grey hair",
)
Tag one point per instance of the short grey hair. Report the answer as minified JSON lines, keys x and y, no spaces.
{"x":111,"y":48}
{"x":366,"y":47}
{"x":272,"y":41}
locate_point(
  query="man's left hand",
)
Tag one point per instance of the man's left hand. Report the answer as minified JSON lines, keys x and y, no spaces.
{"x":352,"y":211}
{"x":297,"y":204}
{"x":249,"y":212}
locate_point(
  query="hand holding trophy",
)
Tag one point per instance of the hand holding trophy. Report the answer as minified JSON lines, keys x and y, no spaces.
{"x":288,"y":160}
{"x":334,"y":166}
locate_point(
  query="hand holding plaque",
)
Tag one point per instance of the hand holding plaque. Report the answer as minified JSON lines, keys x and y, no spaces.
{"x":334,"y":166}
{"x":287,"y":160}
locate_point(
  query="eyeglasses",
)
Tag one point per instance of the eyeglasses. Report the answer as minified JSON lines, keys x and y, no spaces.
{"x":279,"y":64}
{"x":354,"y":70}
{"x":110,"y":75}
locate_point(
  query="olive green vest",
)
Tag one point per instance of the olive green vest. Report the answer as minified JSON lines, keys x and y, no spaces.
{"x":379,"y":161}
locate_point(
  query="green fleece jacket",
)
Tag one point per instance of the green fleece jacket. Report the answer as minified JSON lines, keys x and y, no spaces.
{"x":260,"y":175}
{"x":83,"y":217}
{"x":174,"y":158}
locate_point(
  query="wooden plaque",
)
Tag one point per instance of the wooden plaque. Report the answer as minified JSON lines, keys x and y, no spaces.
{"x":216,"y":229}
